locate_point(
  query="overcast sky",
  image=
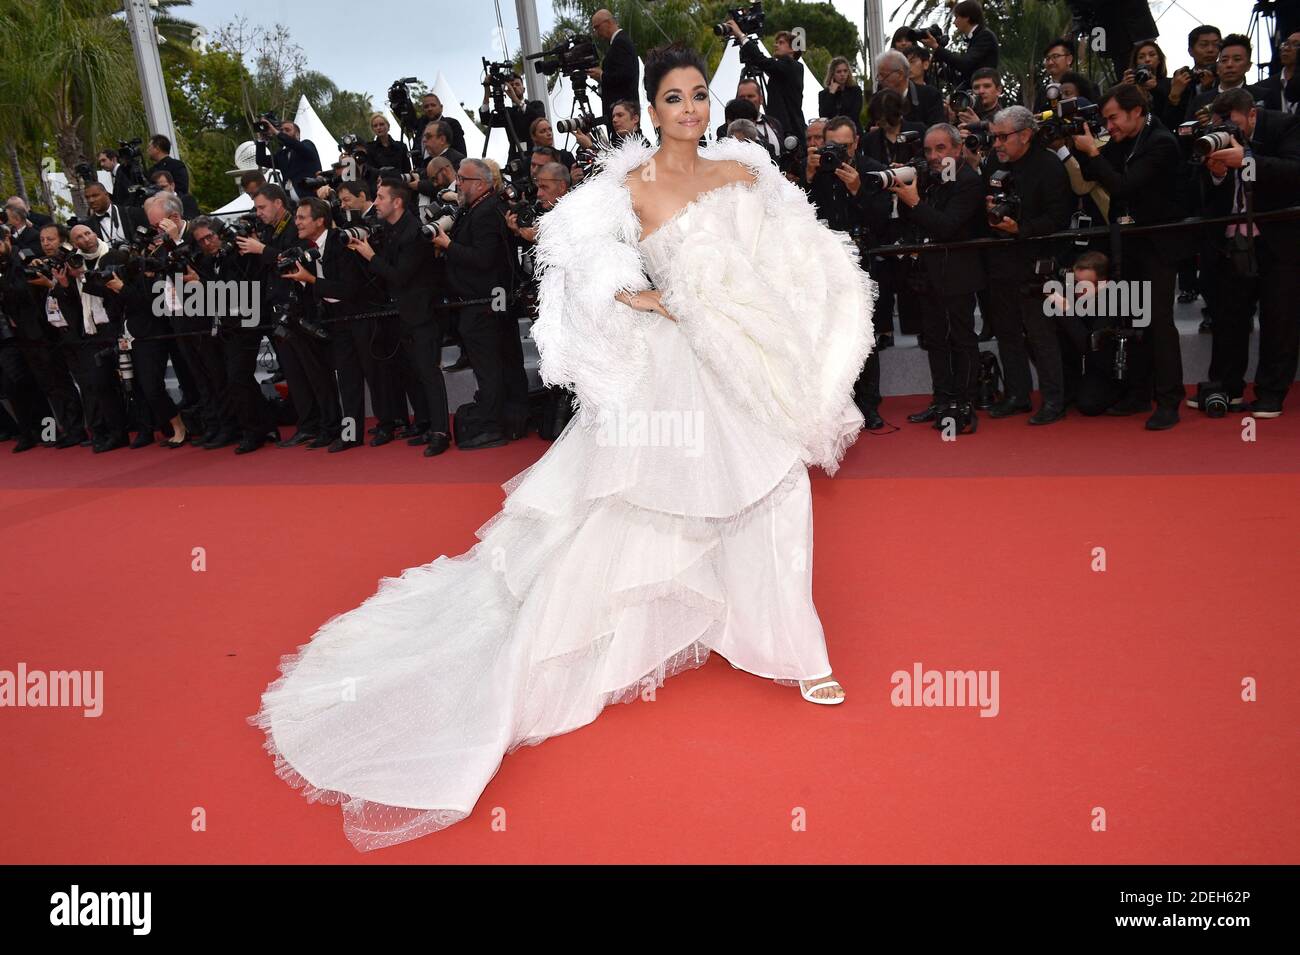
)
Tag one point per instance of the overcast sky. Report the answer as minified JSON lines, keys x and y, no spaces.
{"x":366,"y":45}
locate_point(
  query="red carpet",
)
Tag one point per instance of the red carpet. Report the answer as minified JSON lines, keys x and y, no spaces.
{"x":1119,"y":690}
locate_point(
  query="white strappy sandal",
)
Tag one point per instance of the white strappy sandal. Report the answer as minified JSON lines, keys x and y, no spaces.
{"x":828,"y":701}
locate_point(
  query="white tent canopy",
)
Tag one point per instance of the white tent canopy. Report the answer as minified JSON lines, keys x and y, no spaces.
{"x":313,"y":129}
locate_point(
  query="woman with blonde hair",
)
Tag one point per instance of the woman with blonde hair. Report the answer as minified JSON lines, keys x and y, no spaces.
{"x":842,"y":95}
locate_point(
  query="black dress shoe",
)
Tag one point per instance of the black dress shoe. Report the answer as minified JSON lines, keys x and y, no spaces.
{"x":111,"y":443}
{"x":885,"y":340}
{"x":438,"y":443}
{"x":1048,"y":414}
{"x":143,"y":440}
{"x":299,"y":437}
{"x":488,"y":439}
{"x":1165,"y":417}
{"x":338,"y":444}
{"x":382,"y":437}
{"x":69,"y":440}
{"x":459,"y":364}
{"x":86,"y":442}
{"x":249,"y":444}
{"x":25,"y":443}
{"x":221,"y":439}
{"x":322,"y":441}
{"x":927,"y":413}
{"x":416,"y":440}
{"x":871,"y":420}
{"x":1009,"y":406}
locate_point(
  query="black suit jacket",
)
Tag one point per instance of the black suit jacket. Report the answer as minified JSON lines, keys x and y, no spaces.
{"x":620,"y":71}
{"x":951,"y":211}
{"x":1269,"y":92}
{"x":981,"y":51}
{"x":121,"y":185}
{"x":875,"y":145}
{"x":1141,"y":179}
{"x":784,"y":87}
{"x":1039,"y":178}
{"x":297,"y":160}
{"x":924,"y":104}
{"x":347,"y":279}
{"x":128,"y":217}
{"x":180,"y":173}
{"x":404,"y":262}
{"x":479,"y":259}
{"x":417,"y":136}
{"x":1275,"y":146}
{"x":847,"y":102}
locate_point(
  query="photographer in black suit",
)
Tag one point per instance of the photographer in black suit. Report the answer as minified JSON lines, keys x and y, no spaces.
{"x":1037,"y":201}
{"x":784,"y":78}
{"x":240,"y":340}
{"x":110,"y":162}
{"x":480,"y":264}
{"x":921,"y":104}
{"x":951,"y":210}
{"x":619,"y":72}
{"x":836,"y":172}
{"x":1257,"y":172}
{"x":1136,"y":168}
{"x":342,"y":286}
{"x":296,"y":159}
{"x":981,"y":43}
{"x":404,"y":262}
{"x":278,"y":233}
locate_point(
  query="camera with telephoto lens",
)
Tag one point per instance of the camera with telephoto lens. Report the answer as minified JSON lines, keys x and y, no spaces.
{"x":1210,"y":136}
{"x":934,"y":30}
{"x":1006,"y":201}
{"x":750,"y":19}
{"x":438,"y":216}
{"x":584,"y":122}
{"x":902,"y":174}
{"x":575,"y":54}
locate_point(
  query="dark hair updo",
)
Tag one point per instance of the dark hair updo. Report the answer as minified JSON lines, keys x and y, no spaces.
{"x":663,"y":59}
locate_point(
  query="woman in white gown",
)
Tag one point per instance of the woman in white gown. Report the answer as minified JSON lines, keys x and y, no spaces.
{"x":670,"y":519}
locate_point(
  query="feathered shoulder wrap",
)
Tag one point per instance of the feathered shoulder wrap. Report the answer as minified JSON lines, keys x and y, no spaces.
{"x":787,"y":332}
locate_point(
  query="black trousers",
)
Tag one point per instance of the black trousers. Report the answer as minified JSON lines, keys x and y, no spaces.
{"x":1277,"y":289}
{"x":49,"y":367}
{"x":1159,"y":350}
{"x":201,"y":355}
{"x":101,"y":393}
{"x":18,"y":384}
{"x":243,"y":401}
{"x":358,"y":350}
{"x":891,"y":274}
{"x":496,"y":354}
{"x":952,"y":346}
{"x":310,"y":375}
{"x":1018,"y":316}
{"x":149,"y":359}
{"x":422,"y":345}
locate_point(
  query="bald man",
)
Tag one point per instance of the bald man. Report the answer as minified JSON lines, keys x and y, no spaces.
{"x":620,"y":71}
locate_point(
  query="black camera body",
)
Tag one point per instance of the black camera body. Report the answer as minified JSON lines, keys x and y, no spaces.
{"x":832,"y":156}
{"x":750,"y":19}
{"x":1006,"y":201}
{"x":400,"y":105}
{"x":934,"y":30}
{"x":575,"y":54}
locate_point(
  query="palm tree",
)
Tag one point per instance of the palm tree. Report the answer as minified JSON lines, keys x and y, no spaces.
{"x":64,"y":65}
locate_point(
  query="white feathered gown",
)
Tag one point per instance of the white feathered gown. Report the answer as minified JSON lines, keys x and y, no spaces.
{"x":671,"y":518}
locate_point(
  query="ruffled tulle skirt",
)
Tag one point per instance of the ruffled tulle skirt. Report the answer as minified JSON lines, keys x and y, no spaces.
{"x":626,"y":554}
